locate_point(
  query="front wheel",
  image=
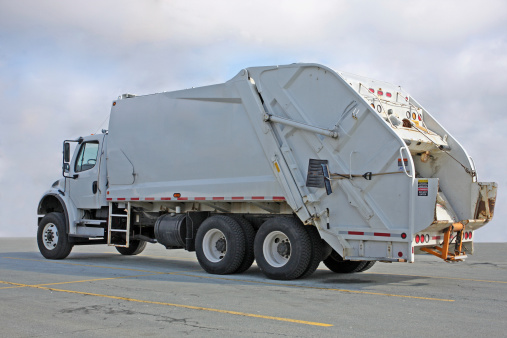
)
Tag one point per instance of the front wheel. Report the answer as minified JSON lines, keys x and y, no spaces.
{"x":52,"y":237}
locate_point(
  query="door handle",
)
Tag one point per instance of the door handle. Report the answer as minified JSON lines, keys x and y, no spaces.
{"x":94,"y":187}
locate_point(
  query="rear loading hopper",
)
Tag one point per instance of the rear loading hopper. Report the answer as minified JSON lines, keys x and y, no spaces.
{"x":400,"y":182}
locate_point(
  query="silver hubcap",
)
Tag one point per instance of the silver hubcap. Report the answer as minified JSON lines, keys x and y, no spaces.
{"x":214,"y":245}
{"x":50,"y":236}
{"x":276,"y":249}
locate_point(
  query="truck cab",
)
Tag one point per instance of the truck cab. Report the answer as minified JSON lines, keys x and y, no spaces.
{"x":86,"y":172}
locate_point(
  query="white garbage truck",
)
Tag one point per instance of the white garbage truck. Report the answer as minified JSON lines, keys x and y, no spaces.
{"x":285,"y":165}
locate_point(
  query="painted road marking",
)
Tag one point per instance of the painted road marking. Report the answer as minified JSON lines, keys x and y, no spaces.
{"x":244,"y":314}
{"x":186,"y":274}
{"x":437,"y":277}
{"x":83,"y":281}
{"x":318,"y":288}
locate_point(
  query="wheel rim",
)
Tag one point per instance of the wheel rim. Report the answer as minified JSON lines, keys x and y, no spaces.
{"x":276,"y":249}
{"x":214,"y":245}
{"x":50,"y":236}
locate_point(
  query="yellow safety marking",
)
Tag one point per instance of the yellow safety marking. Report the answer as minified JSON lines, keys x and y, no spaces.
{"x":317,"y":288}
{"x":246,"y":281}
{"x":277,"y":167}
{"x":438,"y":277}
{"x":11,"y":287}
{"x":99,"y":279}
{"x":87,"y":265}
{"x":175,"y":305}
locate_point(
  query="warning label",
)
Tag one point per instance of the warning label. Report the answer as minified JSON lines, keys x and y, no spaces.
{"x":405,"y":162}
{"x":422,"y":188}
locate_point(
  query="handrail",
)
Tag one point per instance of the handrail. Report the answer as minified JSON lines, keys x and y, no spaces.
{"x":402,"y":160}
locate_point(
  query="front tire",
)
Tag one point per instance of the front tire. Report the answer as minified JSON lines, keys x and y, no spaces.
{"x":282,"y":248}
{"x":220,"y":245}
{"x":52,"y":237}
{"x":135,"y":248}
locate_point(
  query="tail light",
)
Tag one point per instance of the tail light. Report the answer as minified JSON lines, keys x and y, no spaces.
{"x":417,"y":239}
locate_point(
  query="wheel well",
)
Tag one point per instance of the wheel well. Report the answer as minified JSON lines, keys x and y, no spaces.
{"x":50,"y":203}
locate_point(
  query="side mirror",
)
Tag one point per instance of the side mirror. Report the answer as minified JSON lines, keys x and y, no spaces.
{"x":66,"y":153}
{"x":66,"y":158}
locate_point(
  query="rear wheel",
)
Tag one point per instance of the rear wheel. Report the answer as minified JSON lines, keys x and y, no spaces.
{"x":317,"y":250}
{"x":368,"y":265}
{"x":220,"y":245}
{"x":249,"y":233}
{"x":282,"y":248}
{"x":336,"y":264}
{"x":135,"y":248}
{"x":52,"y":237}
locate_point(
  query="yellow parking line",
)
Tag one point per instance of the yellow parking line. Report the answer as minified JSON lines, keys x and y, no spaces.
{"x":98,"y":279}
{"x":315,"y":287}
{"x":247,"y":281}
{"x":437,"y":277}
{"x":87,"y":265}
{"x":176,"y":305}
{"x":86,"y":280}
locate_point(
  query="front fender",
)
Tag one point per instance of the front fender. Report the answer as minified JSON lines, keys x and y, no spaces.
{"x":54,"y":200}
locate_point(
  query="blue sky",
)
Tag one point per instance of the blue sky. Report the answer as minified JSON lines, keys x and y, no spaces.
{"x":63,"y":62}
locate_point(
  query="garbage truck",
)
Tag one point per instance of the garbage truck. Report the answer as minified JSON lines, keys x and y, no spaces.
{"x":289,"y":166}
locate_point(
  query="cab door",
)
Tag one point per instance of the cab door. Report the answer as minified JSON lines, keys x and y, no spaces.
{"x":85,"y":170}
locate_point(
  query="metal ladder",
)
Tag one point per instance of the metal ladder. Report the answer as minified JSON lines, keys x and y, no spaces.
{"x":125,"y":228}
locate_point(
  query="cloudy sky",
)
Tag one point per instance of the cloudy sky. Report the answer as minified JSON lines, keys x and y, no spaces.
{"x":63,"y":62}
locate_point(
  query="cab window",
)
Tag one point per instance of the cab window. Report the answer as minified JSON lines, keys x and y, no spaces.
{"x":87,"y":157}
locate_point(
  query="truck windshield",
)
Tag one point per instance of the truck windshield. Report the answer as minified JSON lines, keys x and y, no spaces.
{"x":87,"y":157}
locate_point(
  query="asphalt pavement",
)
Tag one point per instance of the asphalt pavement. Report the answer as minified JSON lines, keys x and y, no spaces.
{"x":97,"y":292}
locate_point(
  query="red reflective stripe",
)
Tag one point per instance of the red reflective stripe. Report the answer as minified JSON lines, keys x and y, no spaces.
{"x":182,"y":198}
{"x":109,"y":199}
{"x":165,"y":199}
{"x":257,"y":197}
{"x":121,"y":198}
{"x":134,"y":198}
{"x":218,"y":198}
{"x":238,"y":198}
{"x":279,"y":198}
{"x":356,"y":233}
{"x":149,"y":199}
{"x":200,"y":198}
{"x":382,"y":234}
{"x":436,"y":237}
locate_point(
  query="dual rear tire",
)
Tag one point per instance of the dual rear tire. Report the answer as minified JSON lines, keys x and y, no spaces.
{"x":335,"y":263}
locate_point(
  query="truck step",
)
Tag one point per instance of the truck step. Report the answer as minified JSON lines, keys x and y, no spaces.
{"x":116,"y":225}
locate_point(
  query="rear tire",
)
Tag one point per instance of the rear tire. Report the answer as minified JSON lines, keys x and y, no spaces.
{"x":282,"y":248}
{"x":317,"y":250}
{"x":336,"y":264}
{"x":52,"y":237}
{"x":368,"y":266}
{"x":135,"y":248}
{"x":220,"y":245}
{"x":249,"y":233}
